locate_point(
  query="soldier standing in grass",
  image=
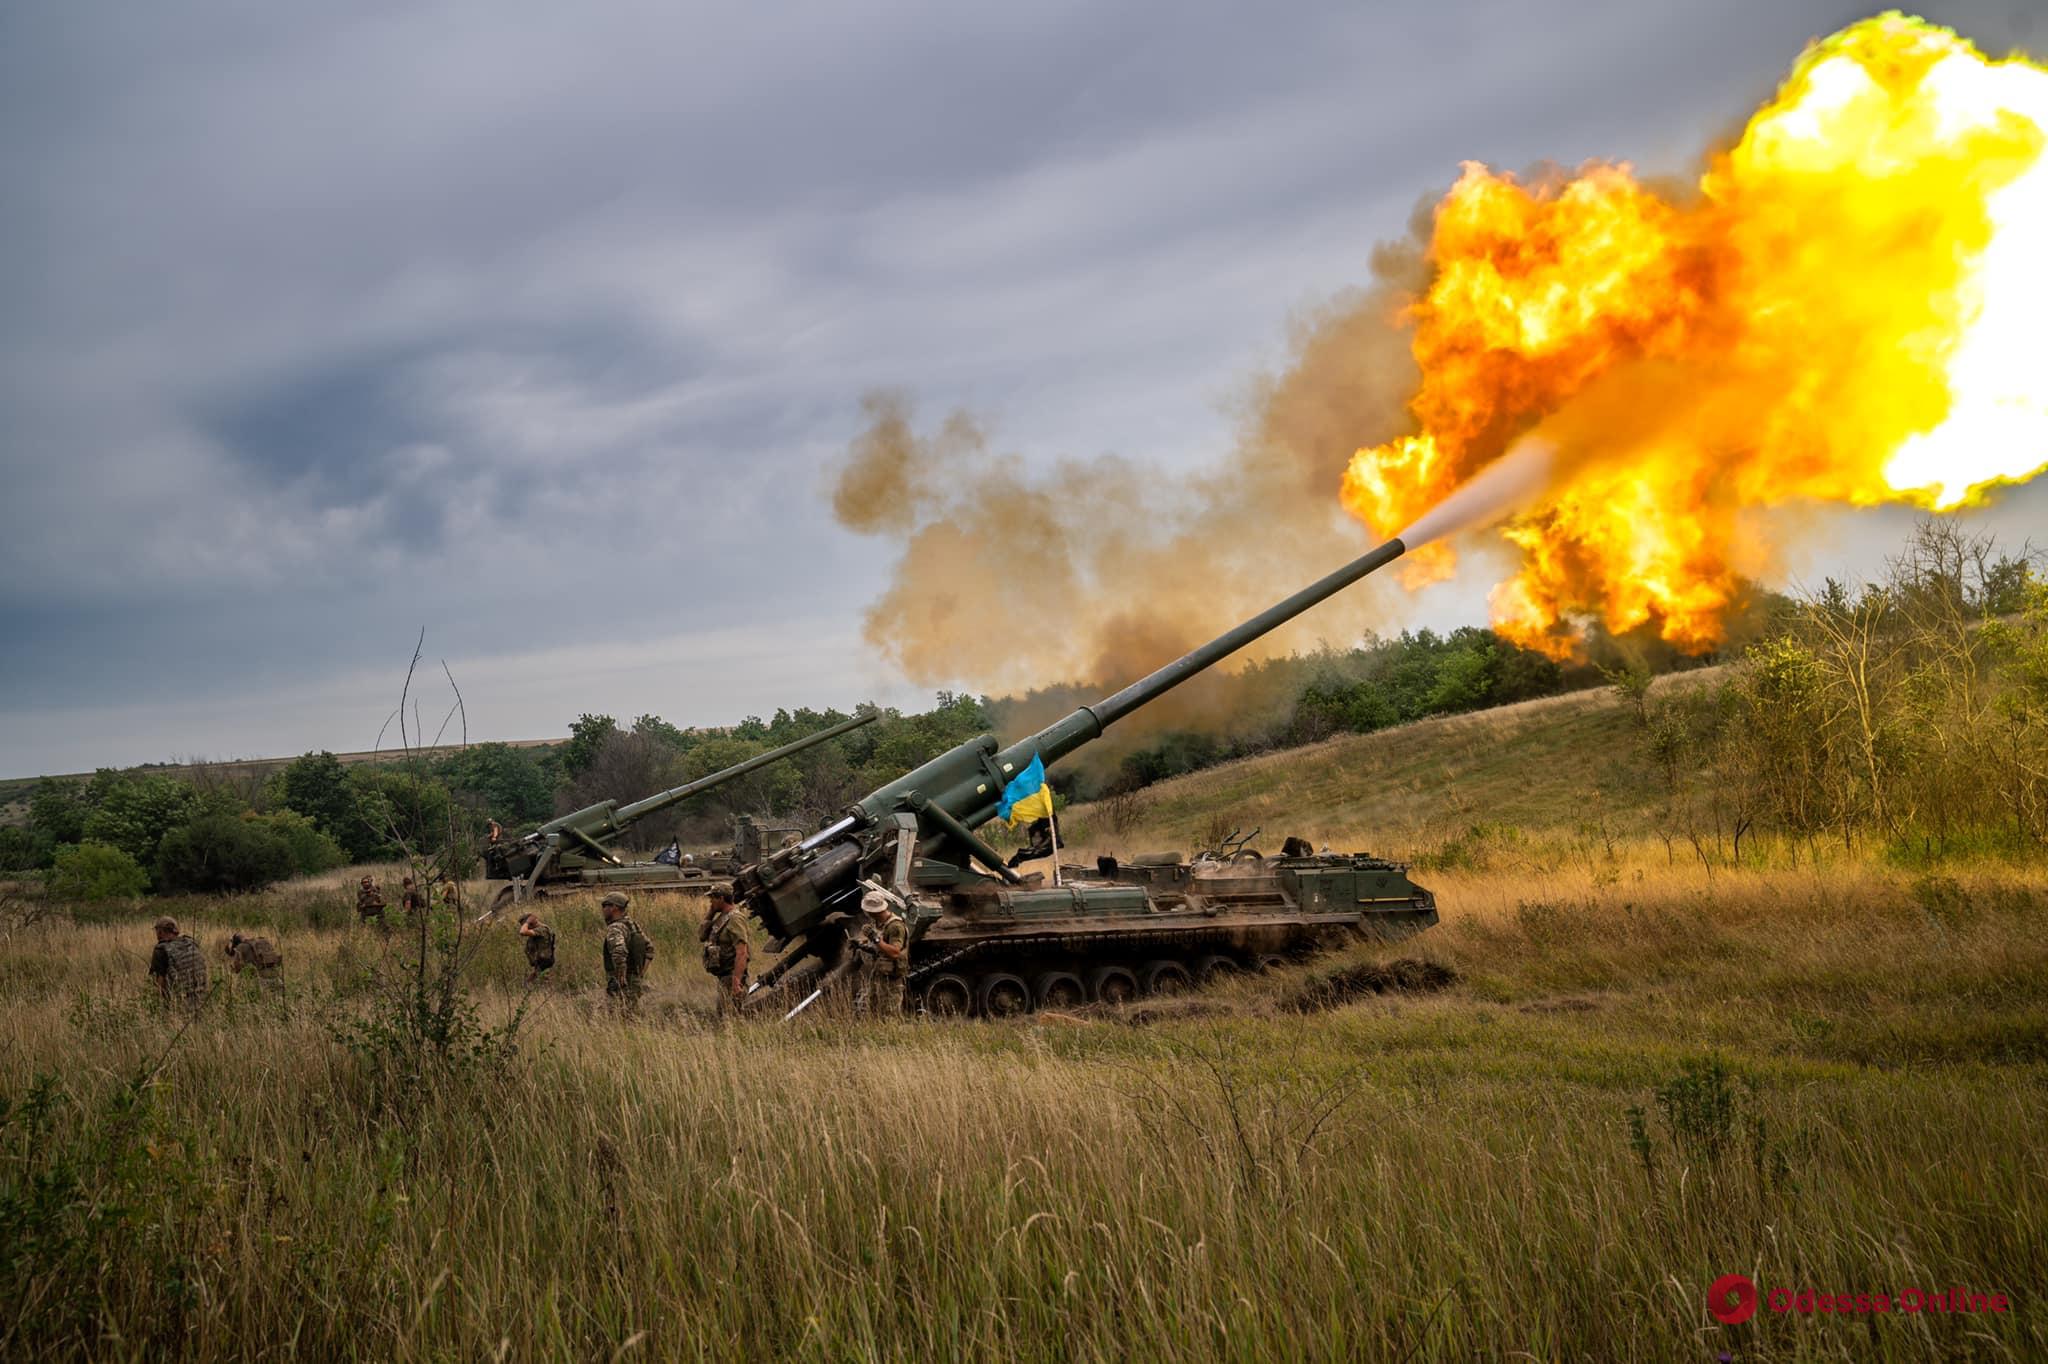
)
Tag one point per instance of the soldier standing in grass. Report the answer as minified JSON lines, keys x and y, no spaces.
{"x":259,"y":955}
{"x":884,"y":945}
{"x":370,"y":903}
{"x":540,"y":948}
{"x":727,"y":947}
{"x":411,"y":900}
{"x":177,"y":966}
{"x":627,"y":951}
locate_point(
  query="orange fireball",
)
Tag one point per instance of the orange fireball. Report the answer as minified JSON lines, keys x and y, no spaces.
{"x":1850,"y":307}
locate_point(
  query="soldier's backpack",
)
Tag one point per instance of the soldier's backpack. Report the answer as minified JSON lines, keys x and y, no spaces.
{"x":264,"y":956}
{"x":639,"y":949}
{"x":187,"y":967}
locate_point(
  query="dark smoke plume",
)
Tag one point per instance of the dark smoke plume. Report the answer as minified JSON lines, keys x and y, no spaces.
{"x":1014,"y":574}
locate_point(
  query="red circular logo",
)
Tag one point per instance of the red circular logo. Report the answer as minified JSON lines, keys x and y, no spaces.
{"x":1732,"y":1299}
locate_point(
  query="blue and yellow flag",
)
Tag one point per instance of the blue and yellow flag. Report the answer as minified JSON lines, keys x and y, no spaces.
{"x":1027,"y":797}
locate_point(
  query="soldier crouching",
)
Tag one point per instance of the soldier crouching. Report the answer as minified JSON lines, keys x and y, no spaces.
{"x":259,"y":955}
{"x":177,"y":967}
{"x":540,"y":949}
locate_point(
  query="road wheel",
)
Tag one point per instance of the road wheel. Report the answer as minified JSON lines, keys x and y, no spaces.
{"x":1272,"y":962}
{"x":1059,"y":990}
{"x":1211,"y":969}
{"x":1004,"y":996}
{"x":948,"y":996}
{"x":1112,"y":985}
{"x":1164,"y":977}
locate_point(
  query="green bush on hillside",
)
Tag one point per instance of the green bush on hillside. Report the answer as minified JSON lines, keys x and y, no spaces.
{"x":218,"y":853}
{"x":95,"y":871}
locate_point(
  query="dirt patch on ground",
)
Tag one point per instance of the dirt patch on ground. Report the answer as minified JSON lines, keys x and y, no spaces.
{"x":1406,"y":975}
{"x":1176,"y":1009}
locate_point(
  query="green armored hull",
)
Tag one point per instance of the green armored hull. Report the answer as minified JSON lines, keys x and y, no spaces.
{"x":984,"y":939}
{"x":1113,"y":933}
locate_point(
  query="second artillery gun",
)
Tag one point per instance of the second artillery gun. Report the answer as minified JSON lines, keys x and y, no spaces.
{"x":578,"y":851}
{"x":984,"y":939}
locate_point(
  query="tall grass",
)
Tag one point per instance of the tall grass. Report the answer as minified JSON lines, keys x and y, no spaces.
{"x":1405,"y":1177}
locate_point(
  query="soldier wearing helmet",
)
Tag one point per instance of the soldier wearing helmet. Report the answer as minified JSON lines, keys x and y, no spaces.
{"x":177,"y":966}
{"x":259,"y":955}
{"x":884,"y":944}
{"x":627,"y":951}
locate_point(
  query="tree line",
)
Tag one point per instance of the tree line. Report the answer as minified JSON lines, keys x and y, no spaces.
{"x":199,"y":831}
{"x":1910,"y":712}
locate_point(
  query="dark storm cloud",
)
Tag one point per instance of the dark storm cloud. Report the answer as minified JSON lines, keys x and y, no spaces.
{"x":538,"y":324}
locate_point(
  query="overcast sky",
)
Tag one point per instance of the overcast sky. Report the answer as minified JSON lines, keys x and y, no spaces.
{"x":540,"y":325}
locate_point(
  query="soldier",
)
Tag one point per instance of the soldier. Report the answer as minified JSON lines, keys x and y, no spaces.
{"x":410,"y":899}
{"x":540,"y":948}
{"x":627,"y":951}
{"x":177,"y":966}
{"x":259,"y":955}
{"x":726,"y":949}
{"x":370,"y":902}
{"x":884,"y":945}
{"x":447,"y":895}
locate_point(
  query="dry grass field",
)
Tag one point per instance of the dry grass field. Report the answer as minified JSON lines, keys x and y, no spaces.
{"x":1645,"y":1076}
{"x":1557,"y":764}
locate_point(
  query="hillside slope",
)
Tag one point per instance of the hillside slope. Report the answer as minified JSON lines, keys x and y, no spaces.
{"x":1555,"y":764}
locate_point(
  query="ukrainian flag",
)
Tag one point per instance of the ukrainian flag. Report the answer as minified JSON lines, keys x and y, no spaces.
{"x":1027,"y":797}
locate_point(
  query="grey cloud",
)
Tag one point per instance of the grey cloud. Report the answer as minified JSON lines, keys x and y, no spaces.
{"x":536,"y":322}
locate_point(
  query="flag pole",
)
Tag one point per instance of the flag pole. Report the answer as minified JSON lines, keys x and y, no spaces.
{"x":1052,"y":820}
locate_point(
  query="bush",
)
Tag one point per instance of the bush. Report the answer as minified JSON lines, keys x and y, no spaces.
{"x":216,"y":853}
{"x":312,"y":852}
{"x":23,"y":850}
{"x":95,"y":871}
{"x":134,"y":812}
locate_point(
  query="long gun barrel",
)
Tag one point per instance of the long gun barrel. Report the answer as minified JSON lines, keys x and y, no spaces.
{"x":958,"y":791}
{"x":596,"y":823}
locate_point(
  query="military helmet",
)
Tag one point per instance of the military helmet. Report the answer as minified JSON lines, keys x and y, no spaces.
{"x":614,"y":899}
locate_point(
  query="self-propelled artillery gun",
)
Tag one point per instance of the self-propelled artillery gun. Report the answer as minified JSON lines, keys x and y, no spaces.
{"x":579,"y":850}
{"x":986,"y":940}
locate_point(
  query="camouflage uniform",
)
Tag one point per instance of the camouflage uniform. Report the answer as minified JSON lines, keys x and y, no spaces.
{"x":261,"y":956}
{"x":725,"y":932}
{"x":540,"y":952}
{"x":370,"y":903}
{"x":627,"y":951}
{"x":881,"y":976}
{"x":181,"y":967}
